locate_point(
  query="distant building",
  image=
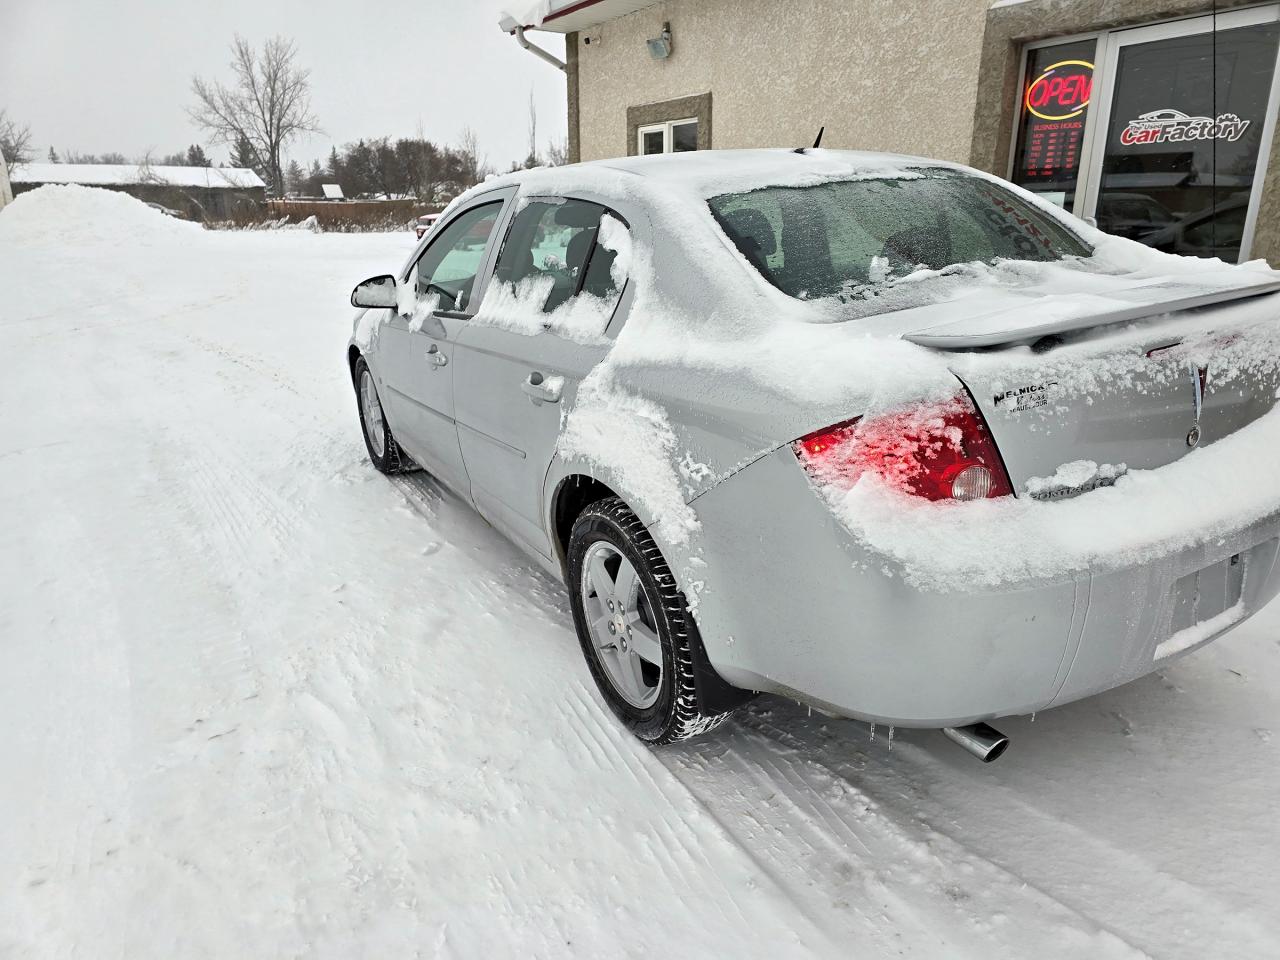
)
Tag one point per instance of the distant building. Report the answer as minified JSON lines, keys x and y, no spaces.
{"x":199,"y":193}
{"x":6,"y":194}
{"x":332,"y":191}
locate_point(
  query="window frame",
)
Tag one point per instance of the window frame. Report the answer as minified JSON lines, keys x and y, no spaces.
{"x":553,"y":198}
{"x":502,"y":197}
{"x":667,"y":127}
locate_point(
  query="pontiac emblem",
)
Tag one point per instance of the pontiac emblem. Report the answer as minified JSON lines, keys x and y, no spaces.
{"x":1199,"y":381}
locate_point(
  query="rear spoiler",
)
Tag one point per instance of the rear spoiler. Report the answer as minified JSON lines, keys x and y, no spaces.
{"x":1018,"y":324}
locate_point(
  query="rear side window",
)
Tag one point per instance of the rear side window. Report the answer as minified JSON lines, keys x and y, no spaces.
{"x":555,"y":267}
{"x":833,"y":239}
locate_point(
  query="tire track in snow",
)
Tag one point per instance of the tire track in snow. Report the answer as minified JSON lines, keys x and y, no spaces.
{"x":926,"y":882}
{"x":1235,"y":934}
{"x":585,"y":718}
{"x":648,"y":768}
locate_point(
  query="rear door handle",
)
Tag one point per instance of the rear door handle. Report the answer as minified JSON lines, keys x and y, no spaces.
{"x":435,"y":357}
{"x":543,"y":389}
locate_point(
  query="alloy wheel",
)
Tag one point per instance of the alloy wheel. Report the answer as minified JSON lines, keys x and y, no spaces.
{"x":371,"y":412}
{"x":623,"y":628}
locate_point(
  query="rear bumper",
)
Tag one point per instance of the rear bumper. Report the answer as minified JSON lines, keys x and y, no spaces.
{"x":798,"y":607}
{"x":1143,"y":618}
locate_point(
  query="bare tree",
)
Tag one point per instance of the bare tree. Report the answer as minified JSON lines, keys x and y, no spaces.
{"x":471,"y":163}
{"x":532,"y":159}
{"x":557,"y":152}
{"x":267,"y":104}
{"x":146,"y":173}
{"x":15,"y":141}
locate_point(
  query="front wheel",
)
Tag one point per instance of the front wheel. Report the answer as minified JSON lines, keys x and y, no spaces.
{"x":634,"y":625}
{"x":384,"y":451}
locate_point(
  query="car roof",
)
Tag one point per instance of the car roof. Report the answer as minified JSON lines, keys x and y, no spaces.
{"x":713,"y":172}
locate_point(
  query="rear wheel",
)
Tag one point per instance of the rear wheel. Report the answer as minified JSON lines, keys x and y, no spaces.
{"x":383,"y":449}
{"x":634,"y":625}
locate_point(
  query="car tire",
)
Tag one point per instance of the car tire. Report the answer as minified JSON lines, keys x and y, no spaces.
{"x":384,"y":451}
{"x":659,"y":703}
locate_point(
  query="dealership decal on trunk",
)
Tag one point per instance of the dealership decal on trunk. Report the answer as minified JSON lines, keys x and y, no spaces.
{"x":1024,"y":398}
{"x":1174,"y":126}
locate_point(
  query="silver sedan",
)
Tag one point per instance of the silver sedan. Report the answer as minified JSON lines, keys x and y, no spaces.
{"x":884,"y":435}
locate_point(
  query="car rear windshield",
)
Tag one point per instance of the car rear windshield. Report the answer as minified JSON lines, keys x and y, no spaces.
{"x":835,"y":239}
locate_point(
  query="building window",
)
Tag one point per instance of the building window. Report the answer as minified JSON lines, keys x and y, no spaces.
{"x":670,"y":126}
{"x":1160,"y":133}
{"x":673,"y":136}
{"x":1057,"y":89}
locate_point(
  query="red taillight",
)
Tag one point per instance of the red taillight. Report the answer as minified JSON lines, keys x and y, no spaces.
{"x":937,"y":451}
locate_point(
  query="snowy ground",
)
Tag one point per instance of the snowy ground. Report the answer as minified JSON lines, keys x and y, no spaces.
{"x":259,"y":701}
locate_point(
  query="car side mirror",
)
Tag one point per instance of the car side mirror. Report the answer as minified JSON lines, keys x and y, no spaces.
{"x":375,"y":293}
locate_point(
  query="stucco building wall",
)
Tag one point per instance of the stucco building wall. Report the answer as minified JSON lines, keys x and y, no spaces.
{"x":897,"y":75}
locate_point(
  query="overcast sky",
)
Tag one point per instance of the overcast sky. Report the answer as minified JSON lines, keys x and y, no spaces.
{"x":115,"y":75}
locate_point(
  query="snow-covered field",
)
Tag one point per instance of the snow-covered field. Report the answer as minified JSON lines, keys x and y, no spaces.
{"x":259,"y":701}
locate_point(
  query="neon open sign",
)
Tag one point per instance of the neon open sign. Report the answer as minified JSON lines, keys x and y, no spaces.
{"x":1062,"y":91}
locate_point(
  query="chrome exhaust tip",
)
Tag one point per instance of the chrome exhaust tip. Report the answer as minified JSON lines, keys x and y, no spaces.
{"x":983,"y":741}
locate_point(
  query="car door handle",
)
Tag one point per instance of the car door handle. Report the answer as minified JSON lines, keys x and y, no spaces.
{"x":543,"y":389}
{"x":435,"y":357}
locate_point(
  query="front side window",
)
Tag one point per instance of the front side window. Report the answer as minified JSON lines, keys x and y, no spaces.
{"x":833,"y":239}
{"x":559,"y":258}
{"x":447,"y":269}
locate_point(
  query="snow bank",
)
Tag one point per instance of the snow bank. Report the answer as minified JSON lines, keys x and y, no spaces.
{"x":75,"y":214}
{"x":1141,"y":519}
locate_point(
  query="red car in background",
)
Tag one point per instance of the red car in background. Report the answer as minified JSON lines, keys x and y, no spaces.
{"x":425,"y":223}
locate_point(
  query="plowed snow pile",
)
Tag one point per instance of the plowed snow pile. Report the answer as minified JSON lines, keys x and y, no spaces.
{"x":71,"y":214}
{"x":259,"y":701}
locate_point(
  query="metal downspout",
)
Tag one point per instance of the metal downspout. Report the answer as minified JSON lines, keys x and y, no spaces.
{"x":537,"y":51}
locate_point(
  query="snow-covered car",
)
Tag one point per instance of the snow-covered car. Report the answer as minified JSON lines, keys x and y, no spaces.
{"x":424,"y":223}
{"x":885,"y":435}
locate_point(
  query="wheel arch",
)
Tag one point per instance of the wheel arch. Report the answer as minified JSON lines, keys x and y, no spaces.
{"x":573,"y":493}
{"x":573,"y":490}
{"x":353,"y":356}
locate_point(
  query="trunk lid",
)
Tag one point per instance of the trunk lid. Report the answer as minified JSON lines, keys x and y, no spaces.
{"x":1104,"y":399}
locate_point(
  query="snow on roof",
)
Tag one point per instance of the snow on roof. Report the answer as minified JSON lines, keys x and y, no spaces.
{"x":711,"y":172}
{"x":707,"y":173}
{"x":332,"y":191}
{"x":125,"y":174}
{"x":565,"y":16}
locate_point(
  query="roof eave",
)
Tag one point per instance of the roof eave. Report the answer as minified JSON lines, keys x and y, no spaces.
{"x":581,"y":14}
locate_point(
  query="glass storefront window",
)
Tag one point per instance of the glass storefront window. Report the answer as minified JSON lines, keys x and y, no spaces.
{"x":1183,"y":139}
{"x":1166,"y":140}
{"x":1056,"y":92}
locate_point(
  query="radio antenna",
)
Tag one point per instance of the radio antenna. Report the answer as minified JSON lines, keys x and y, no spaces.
{"x":816,"y":143}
